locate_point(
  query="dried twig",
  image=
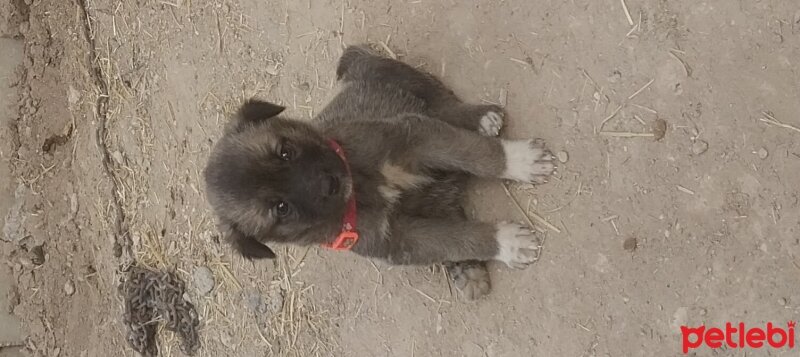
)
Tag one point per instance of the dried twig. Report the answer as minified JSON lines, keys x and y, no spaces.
{"x":624,"y":103}
{"x":627,"y":13}
{"x":651,"y":110}
{"x":613,"y":114}
{"x":387,"y":49}
{"x":609,"y":218}
{"x":641,"y":89}
{"x":424,"y":294}
{"x":685,"y":190}
{"x":529,"y":215}
{"x":626,"y":134}
{"x":770,"y":119}
{"x":686,"y":67}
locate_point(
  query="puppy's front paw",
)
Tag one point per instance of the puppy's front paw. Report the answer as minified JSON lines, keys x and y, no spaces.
{"x":470,"y":278}
{"x":528,"y":161}
{"x":491,"y":122}
{"x":517,"y":246}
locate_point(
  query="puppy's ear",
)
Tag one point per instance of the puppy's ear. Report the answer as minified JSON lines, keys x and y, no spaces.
{"x":254,"y":110}
{"x":251,"y":112}
{"x":248,"y":246}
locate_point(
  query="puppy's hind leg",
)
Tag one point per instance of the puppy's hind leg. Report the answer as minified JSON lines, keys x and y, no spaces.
{"x":487,"y":120}
{"x":442,"y":199}
{"x":470,"y":277}
{"x":359,"y":63}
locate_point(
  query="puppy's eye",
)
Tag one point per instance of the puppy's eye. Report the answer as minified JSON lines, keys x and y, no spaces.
{"x":285,"y":151}
{"x":282,"y":209}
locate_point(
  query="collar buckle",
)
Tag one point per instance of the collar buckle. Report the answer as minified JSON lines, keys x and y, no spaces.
{"x":344,"y":241}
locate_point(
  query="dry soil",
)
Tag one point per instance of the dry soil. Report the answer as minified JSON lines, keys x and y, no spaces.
{"x":117,"y":104}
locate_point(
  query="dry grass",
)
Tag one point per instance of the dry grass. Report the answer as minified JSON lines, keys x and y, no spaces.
{"x":529,"y":215}
{"x":769,"y":118}
{"x":297,"y":319}
{"x":626,"y":134}
{"x":150,"y":250}
{"x":158,"y":166}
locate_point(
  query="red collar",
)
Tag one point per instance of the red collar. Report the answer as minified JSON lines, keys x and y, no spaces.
{"x":348,"y":237}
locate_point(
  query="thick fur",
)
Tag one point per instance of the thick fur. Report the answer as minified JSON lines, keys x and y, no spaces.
{"x":411,"y":145}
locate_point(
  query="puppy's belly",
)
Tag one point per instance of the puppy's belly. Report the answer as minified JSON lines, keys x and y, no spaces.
{"x":397,"y":180}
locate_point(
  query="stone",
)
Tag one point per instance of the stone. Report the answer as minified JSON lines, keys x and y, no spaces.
{"x":203,"y":280}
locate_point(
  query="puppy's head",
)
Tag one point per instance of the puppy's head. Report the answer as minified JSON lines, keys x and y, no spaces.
{"x":272,"y":179}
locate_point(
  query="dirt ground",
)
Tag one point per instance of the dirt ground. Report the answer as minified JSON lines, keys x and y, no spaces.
{"x":119,"y":102}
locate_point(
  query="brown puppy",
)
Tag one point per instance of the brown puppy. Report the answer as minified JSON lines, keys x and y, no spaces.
{"x":406,"y":145}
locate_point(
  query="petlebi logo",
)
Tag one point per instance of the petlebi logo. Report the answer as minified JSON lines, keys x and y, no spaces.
{"x":739,"y":336}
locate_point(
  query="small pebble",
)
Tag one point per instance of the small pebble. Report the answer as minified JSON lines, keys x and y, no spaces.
{"x":630,"y":244}
{"x":276,"y":301}
{"x":73,"y":95}
{"x":762,"y":153}
{"x":69,"y":288}
{"x":24,"y":27}
{"x":562,"y":156}
{"x":117,"y":156}
{"x":699,"y":147}
{"x":117,"y":249}
{"x":659,"y":129}
{"x":73,"y":203}
{"x":37,"y":255}
{"x":253,"y":300}
{"x":783,"y":301}
{"x":615,"y":76}
{"x":203,"y":280}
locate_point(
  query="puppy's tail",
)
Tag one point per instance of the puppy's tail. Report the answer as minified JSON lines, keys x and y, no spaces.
{"x":354,"y":61}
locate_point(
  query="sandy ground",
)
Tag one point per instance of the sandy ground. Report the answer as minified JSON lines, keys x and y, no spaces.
{"x":10,"y":59}
{"x":118,"y":104}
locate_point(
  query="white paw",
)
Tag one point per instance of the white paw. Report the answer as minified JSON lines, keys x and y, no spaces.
{"x":518,"y":247}
{"x":491,"y":123}
{"x":528,"y":161}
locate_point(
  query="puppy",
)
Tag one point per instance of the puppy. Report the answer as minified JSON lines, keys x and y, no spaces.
{"x":380,"y":171}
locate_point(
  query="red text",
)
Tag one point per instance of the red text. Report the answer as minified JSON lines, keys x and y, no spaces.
{"x":739,"y":336}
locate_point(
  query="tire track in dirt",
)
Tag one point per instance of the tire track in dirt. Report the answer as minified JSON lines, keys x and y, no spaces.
{"x":122,"y":244}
